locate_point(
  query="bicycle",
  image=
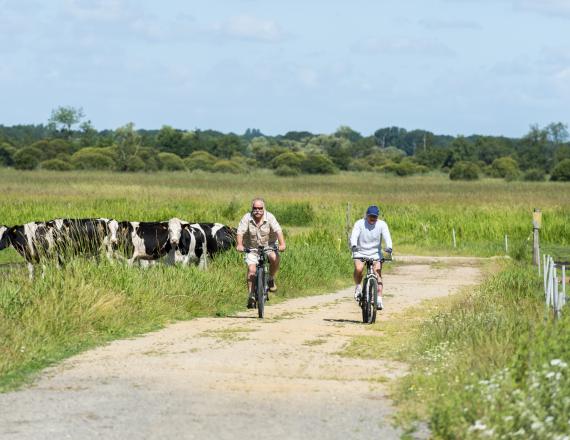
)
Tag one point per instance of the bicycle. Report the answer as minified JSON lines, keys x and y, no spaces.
{"x":260,"y":284}
{"x":369,"y":296}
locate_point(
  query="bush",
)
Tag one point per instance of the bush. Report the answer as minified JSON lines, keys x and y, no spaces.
{"x":171,"y":162}
{"x":285,"y":171}
{"x":227,"y":166}
{"x":405,"y":168}
{"x":359,"y":165}
{"x":90,"y":159}
{"x":534,"y":175}
{"x":289,"y":159}
{"x":7,"y":155}
{"x":136,"y":163}
{"x":318,"y":163}
{"x":56,"y":165}
{"x":505,"y":167}
{"x":27,"y":158}
{"x":200,"y":160}
{"x":561,"y":172}
{"x":464,"y":171}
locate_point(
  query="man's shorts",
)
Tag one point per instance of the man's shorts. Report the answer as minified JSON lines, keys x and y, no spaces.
{"x":251,"y":257}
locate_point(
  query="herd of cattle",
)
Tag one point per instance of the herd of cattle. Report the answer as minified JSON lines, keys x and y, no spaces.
{"x":177,"y":240}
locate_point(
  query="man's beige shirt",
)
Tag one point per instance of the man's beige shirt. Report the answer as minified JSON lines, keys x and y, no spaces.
{"x":263,"y":235}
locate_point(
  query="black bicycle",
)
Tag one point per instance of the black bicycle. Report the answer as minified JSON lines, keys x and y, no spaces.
{"x":369,"y":296}
{"x":260,"y":283}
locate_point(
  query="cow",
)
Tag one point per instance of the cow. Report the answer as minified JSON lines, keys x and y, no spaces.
{"x":34,"y":241}
{"x":87,"y":236}
{"x":143,"y":241}
{"x":186,"y":237}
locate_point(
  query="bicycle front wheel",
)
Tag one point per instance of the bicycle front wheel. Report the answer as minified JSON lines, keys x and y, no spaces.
{"x":260,"y":287}
{"x":372,"y":295}
{"x":365,"y":303}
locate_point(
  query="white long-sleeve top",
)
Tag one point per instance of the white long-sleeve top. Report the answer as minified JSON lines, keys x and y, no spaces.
{"x":368,"y":238}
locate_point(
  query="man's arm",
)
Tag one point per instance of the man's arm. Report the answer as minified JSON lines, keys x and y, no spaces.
{"x":354,"y":236}
{"x":239,"y":243}
{"x":387,"y":238}
{"x":281,"y":240}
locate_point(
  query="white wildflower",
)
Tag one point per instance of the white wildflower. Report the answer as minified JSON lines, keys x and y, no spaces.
{"x":478,"y":426}
{"x":558,"y":363}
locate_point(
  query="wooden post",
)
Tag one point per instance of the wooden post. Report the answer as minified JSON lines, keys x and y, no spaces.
{"x":454,"y":241}
{"x":536,"y":224}
{"x":506,"y":244}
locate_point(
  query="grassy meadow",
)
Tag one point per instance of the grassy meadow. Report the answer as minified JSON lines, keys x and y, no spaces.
{"x":490,"y":336}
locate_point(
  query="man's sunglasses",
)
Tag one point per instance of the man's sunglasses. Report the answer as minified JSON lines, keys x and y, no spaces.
{"x":257,"y":208}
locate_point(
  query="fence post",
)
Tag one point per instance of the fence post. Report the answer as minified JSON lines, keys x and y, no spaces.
{"x":506,"y":244}
{"x":564,"y":284}
{"x":544,"y":270}
{"x":556,"y":298}
{"x":536,"y":224}
{"x":454,"y":241}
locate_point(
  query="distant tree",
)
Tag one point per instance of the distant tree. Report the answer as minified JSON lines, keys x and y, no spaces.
{"x":561,"y":153}
{"x":505,"y":167}
{"x":534,"y":175}
{"x":128,"y":144}
{"x":62,"y":119}
{"x":298,"y":135}
{"x":226,"y":145}
{"x":27,"y":158}
{"x":56,"y":165}
{"x":252,"y":133}
{"x":88,"y":136}
{"x":200,"y":160}
{"x":318,"y":163}
{"x":345,"y":132}
{"x":489,"y":148}
{"x":363,"y":147}
{"x":7,"y":154}
{"x":464,"y":171}
{"x":557,"y":132}
{"x":289,"y":159}
{"x":171,"y":140}
{"x":533,"y":149}
{"x":93,"y":159}
{"x":171,"y":162}
{"x":561,"y":172}
{"x":463,"y":150}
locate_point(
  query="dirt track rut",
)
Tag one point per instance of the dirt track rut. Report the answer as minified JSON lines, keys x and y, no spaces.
{"x":233,"y":377}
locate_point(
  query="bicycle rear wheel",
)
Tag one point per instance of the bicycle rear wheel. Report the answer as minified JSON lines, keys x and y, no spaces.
{"x":373,"y":299}
{"x":260,"y":291}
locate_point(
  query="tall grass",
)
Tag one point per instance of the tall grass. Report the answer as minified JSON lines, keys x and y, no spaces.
{"x":494,"y":365}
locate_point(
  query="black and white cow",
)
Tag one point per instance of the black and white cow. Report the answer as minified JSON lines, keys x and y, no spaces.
{"x":86,"y":236}
{"x":34,"y":241}
{"x":220,"y":237}
{"x":143,"y":241}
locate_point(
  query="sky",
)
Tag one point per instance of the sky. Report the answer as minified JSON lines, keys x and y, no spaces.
{"x":491,"y":67}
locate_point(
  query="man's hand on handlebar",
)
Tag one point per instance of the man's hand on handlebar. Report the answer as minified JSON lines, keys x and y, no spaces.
{"x":240,"y":248}
{"x":282,"y":247}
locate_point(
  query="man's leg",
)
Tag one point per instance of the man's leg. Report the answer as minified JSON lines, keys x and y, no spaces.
{"x":358,"y":269}
{"x":378,"y":270}
{"x":274,"y":260}
{"x":250,"y":275}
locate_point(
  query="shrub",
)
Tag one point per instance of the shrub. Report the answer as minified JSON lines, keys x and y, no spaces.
{"x":405,"y":168}
{"x":171,"y":162}
{"x":289,"y":159}
{"x":56,"y":165}
{"x":135,"y":163}
{"x":464,"y":171}
{"x":505,"y":167}
{"x":318,"y":163}
{"x":359,"y":165}
{"x":561,"y":172}
{"x":200,"y":160}
{"x":90,"y":159}
{"x":7,"y":155}
{"x":227,"y":166}
{"x":27,"y":158}
{"x":285,"y":170}
{"x":534,"y":175}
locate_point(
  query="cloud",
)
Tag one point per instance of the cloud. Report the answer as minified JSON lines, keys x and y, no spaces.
{"x":247,"y":27}
{"x":405,"y":46}
{"x":436,"y":24}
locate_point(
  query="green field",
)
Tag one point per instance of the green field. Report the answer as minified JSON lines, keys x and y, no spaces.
{"x":85,"y":304}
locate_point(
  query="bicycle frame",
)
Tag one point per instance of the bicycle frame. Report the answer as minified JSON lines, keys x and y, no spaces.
{"x":260,"y":286}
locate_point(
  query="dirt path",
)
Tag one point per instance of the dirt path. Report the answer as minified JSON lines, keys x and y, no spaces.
{"x":234,"y":377}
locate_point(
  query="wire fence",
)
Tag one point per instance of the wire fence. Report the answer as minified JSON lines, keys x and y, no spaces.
{"x":554,"y":286}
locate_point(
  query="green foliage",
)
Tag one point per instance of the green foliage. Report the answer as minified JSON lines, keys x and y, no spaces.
{"x":289,"y":159}
{"x":227,"y":166}
{"x":128,"y":144}
{"x":561,"y":171}
{"x":360,"y":165}
{"x":464,"y":171}
{"x":405,"y":168}
{"x":93,"y":159}
{"x":171,"y":162}
{"x":64,"y":118}
{"x":318,"y":163}
{"x":287,"y":171}
{"x":27,"y":158}
{"x":294,"y":214}
{"x":7,"y":155}
{"x":534,"y":175}
{"x":505,"y":167}
{"x":200,"y":160}
{"x":56,"y":165}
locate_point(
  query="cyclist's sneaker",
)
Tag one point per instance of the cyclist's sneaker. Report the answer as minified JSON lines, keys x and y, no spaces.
{"x":251,"y":302}
{"x":357,"y":292}
{"x":380,"y":305}
{"x":271,"y":284}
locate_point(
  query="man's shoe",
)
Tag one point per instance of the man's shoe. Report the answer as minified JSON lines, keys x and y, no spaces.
{"x":271,"y":284}
{"x":358,"y":293}
{"x":379,"y":305}
{"x":251,"y":302}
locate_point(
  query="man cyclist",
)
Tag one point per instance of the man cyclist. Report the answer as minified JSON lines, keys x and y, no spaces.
{"x":259,"y":228}
{"x":365,"y":242}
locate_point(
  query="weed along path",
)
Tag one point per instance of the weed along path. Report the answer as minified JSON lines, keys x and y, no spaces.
{"x":234,"y":377}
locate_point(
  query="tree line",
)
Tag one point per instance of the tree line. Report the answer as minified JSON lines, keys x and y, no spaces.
{"x":68,"y":142}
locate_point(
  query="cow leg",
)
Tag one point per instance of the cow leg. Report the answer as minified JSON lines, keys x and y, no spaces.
{"x":31,"y":271}
{"x":203,"y":263}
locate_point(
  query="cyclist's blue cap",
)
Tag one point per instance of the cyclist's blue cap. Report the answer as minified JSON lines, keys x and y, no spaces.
{"x":373,"y":210}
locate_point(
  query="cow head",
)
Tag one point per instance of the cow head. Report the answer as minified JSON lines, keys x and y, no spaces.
{"x":175,"y":226}
{"x":4,"y":239}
